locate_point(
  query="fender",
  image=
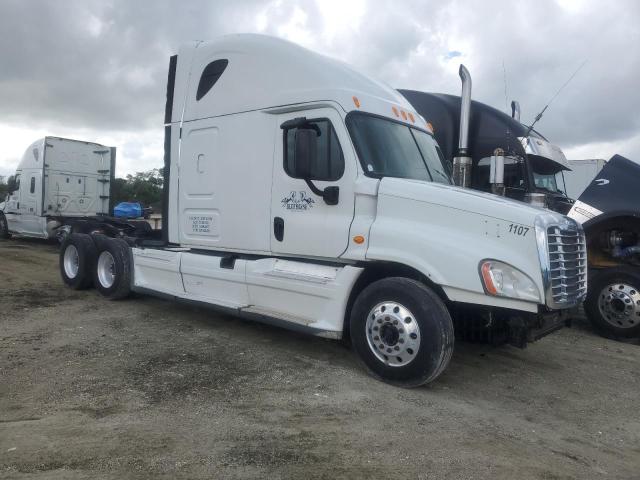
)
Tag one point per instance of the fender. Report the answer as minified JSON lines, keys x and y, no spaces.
{"x":595,"y":222}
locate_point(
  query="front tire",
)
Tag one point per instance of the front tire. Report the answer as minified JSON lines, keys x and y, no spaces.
{"x":112,"y":273}
{"x":613,"y":302}
{"x":402,"y":332}
{"x":4,"y":227}
{"x":77,"y":259}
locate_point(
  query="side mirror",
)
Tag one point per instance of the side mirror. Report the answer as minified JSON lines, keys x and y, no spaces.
{"x":12,"y":185}
{"x":306,"y":152}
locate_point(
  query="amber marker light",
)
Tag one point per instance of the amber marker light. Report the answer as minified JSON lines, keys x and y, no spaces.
{"x":356,"y":102}
{"x":413,"y":120}
{"x":430,"y":127}
{"x":488,"y":278}
{"x":359,"y":239}
{"x":395,"y":111}
{"x":404,"y":114}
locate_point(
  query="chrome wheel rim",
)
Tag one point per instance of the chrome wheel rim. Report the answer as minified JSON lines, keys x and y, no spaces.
{"x":393,"y":334}
{"x":71,"y":261}
{"x":106,"y":269}
{"x":619,"y":305}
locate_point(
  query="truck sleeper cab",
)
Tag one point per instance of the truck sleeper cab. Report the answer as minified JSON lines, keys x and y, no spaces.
{"x":303,"y":193}
{"x":58,"y":181}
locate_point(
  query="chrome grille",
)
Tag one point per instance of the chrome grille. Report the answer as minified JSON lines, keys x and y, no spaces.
{"x":567,"y":266}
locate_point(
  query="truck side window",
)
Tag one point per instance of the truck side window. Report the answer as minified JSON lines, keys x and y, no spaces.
{"x":330,"y":160}
{"x":32,"y":188}
{"x":210,"y":76}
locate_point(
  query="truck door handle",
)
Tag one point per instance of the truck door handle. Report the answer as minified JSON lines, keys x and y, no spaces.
{"x":278,"y":228}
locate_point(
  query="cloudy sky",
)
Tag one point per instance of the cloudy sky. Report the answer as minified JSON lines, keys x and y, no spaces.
{"x":96,"y":70}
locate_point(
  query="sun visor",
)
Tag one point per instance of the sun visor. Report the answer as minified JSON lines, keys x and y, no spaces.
{"x":538,"y":147}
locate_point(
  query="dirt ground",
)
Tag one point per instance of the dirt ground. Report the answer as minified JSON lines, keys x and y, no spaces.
{"x":150,"y":389}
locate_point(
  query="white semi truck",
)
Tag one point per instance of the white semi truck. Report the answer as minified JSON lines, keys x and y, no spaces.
{"x":58,"y":180}
{"x":63,"y":186}
{"x":303,"y":193}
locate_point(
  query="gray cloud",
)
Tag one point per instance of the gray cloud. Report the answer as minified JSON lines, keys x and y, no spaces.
{"x":101,"y":65}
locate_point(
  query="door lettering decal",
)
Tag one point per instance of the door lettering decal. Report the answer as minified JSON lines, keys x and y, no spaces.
{"x":298,"y":201}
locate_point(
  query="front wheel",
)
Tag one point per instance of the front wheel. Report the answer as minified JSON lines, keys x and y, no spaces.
{"x":613,"y":302}
{"x":402,"y":332}
{"x":4,"y":227}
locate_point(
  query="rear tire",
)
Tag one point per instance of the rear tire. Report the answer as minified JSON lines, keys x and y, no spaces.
{"x":613,"y":302}
{"x":402,"y":332}
{"x":77,"y":259}
{"x":4,"y":227}
{"x":112,"y":273}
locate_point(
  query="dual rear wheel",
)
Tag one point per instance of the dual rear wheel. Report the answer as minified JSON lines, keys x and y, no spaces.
{"x":99,"y":261}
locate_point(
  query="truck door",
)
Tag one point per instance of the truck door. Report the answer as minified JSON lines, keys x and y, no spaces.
{"x":30,"y":202}
{"x":302,"y":222}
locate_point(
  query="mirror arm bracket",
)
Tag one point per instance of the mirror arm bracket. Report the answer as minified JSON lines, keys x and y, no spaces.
{"x":330,"y":195}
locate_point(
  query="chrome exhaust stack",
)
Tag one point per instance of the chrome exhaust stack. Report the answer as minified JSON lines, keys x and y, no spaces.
{"x":462,"y":161}
{"x":515,"y":110}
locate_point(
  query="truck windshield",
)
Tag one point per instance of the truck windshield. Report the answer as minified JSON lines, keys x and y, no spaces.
{"x":546,"y":182}
{"x":391,"y":149}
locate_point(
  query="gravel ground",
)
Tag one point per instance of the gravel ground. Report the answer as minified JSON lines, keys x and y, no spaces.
{"x":150,"y":389}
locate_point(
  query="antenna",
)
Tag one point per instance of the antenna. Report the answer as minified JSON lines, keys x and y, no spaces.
{"x":539,"y":116}
{"x":504,"y":76}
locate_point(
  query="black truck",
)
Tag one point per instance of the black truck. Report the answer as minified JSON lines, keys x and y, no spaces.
{"x":494,"y":152}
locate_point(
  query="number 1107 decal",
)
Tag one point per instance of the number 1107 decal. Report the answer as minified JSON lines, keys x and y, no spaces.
{"x":519,"y":230}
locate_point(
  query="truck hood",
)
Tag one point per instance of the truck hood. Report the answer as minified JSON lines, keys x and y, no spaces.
{"x":614,"y":190}
{"x":464,"y":199}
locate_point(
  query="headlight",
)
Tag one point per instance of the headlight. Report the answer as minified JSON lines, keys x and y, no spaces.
{"x":503,"y":280}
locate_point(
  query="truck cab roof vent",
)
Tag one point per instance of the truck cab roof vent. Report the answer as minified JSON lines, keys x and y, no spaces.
{"x":210,"y":76}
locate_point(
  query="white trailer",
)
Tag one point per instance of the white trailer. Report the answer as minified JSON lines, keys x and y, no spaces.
{"x":58,"y":180}
{"x":581,"y":174}
{"x":303,"y":193}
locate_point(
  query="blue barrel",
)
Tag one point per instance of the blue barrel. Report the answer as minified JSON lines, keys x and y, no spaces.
{"x":128,"y":210}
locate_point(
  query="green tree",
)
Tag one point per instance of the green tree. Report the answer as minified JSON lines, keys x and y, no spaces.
{"x":143,"y":187}
{"x":6,"y":186}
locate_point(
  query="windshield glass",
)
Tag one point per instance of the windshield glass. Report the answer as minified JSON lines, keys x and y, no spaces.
{"x":560,"y":182}
{"x":391,"y":149}
{"x":546,"y":182}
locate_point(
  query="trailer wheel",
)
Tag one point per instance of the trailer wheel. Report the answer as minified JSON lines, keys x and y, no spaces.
{"x":77,"y":259}
{"x":112,"y":276}
{"x":402,"y":332}
{"x":4,"y":227}
{"x":613,"y":302}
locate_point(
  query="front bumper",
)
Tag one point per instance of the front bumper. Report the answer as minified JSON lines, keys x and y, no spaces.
{"x":525,"y":329}
{"x":499,"y":326}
